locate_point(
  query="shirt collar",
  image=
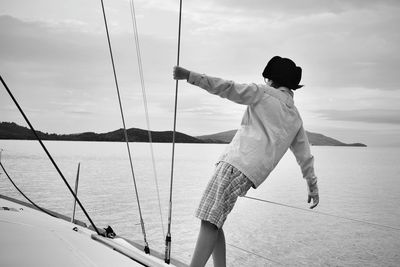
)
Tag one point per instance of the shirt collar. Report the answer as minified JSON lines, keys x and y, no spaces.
{"x":286,"y":90}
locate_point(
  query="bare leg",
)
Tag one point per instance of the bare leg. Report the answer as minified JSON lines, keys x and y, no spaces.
{"x":219,"y":252}
{"x":205,"y":244}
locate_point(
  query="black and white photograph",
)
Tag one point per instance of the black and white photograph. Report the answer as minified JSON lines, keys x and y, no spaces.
{"x":200,"y":133}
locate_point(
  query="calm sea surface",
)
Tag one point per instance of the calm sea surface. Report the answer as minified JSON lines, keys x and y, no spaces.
{"x":355,"y":183}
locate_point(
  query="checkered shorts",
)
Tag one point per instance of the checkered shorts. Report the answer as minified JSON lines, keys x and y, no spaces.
{"x":221,"y":193}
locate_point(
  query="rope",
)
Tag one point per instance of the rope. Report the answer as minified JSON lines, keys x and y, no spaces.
{"x":48,"y":155}
{"x":325,"y":214}
{"x":27,"y":198}
{"x":253,"y":253}
{"x":168,"y":236}
{"x":146,"y":247}
{"x":139,"y":57}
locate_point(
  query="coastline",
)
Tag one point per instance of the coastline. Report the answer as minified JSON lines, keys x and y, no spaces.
{"x":13,"y":131}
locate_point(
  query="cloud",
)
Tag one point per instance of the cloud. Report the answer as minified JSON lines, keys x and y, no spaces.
{"x":379,"y":116}
{"x":305,"y":7}
{"x":338,"y":43}
{"x":64,"y":70}
{"x":60,"y":59}
{"x":348,"y":51}
{"x":47,"y":56}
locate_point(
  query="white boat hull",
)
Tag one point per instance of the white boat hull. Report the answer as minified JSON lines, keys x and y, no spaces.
{"x":32,"y":238}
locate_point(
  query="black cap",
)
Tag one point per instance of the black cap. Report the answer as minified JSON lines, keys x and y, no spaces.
{"x":283,"y":71}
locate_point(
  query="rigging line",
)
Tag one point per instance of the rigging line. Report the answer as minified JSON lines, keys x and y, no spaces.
{"x":255,"y":254}
{"x":49,"y":156}
{"x":139,"y":57}
{"x":27,"y":198}
{"x":146,"y":247}
{"x":168,"y":236}
{"x":324,"y":213}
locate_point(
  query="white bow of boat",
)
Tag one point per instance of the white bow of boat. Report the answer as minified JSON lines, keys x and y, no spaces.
{"x":32,"y":238}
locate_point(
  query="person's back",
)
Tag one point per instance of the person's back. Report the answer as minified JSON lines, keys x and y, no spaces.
{"x":269,"y":125}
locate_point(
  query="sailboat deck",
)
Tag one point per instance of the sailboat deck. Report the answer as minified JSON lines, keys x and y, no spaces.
{"x":33,"y":238}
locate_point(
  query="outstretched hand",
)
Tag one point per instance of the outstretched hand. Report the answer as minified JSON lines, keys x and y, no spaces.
{"x":315,"y":200}
{"x":181,"y":73}
{"x":313,"y":192}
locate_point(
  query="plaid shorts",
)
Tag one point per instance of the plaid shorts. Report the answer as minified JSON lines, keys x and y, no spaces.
{"x":221,"y":193}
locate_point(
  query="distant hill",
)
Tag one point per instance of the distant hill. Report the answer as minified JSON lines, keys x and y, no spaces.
{"x":322,"y":140}
{"x":314,"y":139}
{"x":11,"y":130}
{"x":222,"y":137}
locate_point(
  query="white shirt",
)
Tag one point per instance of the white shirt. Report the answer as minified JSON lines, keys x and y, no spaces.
{"x":271,"y":124}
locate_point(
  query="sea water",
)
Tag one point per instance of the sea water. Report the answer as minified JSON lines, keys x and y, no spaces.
{"x":357,"y":186}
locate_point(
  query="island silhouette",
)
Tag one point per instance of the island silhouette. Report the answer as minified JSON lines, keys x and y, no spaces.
{"x":11,"y":130}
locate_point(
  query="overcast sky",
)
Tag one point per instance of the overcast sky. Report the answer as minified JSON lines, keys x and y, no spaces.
{"x":54,"y":57}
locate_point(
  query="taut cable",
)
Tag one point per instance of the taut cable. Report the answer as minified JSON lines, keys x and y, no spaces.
{"x":27,"y":198}
{"x":255,"y":254}
{"x":48,"y":155}
{"x":139,"y":57}
{"x":168,"y":236}
{"x":324,"y":213}
{"x":146,"y":247}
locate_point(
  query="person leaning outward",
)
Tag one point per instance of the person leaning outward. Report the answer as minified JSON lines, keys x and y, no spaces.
{"x":270,"y":125}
